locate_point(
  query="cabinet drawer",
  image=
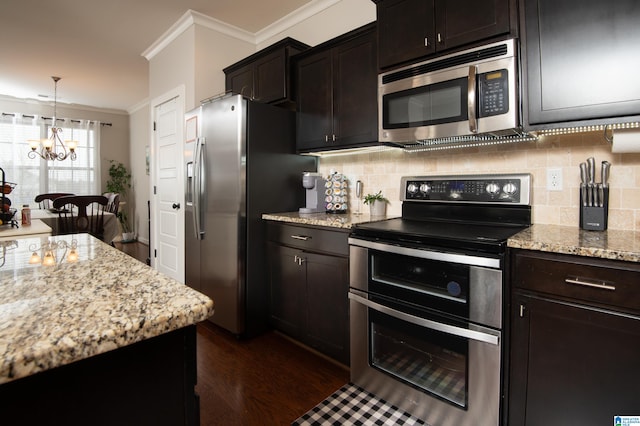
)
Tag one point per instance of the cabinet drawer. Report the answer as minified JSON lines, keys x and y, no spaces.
{"x":597,"y":281}
{"x":308,"y":238}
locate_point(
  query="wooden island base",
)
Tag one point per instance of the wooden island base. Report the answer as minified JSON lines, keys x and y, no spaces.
{"x":147,"y":383}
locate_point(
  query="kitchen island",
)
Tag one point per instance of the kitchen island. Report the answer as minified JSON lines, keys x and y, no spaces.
{"x":97,"y":338}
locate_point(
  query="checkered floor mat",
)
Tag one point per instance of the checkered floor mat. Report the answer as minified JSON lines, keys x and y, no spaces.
{"x":352,"y":405}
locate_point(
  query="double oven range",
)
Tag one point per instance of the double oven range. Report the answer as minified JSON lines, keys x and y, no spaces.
{"x":426,"y":297}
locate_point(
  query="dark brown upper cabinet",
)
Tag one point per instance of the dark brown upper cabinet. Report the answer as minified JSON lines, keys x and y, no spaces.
{"x":409,"y":30}
{"x":265,"y":75}
{"x":337,"y":93}
{"x":581,"y":62}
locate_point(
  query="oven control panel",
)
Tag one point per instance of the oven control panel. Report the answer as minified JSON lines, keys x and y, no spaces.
{"x":504,"y":189}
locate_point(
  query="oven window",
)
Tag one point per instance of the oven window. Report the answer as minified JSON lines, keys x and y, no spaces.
{"x":439,"y":285}
{"x":431,"y":361}
{"x":437,"y":103}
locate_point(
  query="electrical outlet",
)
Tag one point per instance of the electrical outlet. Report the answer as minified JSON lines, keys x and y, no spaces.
{"x":554,"y":179}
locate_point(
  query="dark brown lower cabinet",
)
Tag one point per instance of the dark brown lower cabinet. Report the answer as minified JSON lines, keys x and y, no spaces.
{"x":149,"y":383}
{"x":574,"y":359}
{"x":308,"y":289}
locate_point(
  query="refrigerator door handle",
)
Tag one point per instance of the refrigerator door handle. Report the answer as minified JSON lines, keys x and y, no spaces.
{"x":197,"y":189}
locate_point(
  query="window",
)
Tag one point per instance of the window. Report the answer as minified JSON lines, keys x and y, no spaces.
{"x":36,"y":176}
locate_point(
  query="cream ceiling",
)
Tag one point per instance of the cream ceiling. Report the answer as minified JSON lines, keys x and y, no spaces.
{"x":96,"y":46}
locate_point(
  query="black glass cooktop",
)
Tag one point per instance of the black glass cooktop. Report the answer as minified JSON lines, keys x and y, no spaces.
{"x":490,"y":238}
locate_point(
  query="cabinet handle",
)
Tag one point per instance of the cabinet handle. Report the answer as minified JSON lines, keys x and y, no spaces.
{"x":301,"y":237}
{"x":590,"y":283}
{"x":439,"y":38}
{"x":522,"y":311}
{"x":333,"y":138}
{"x":426,"y":42}
{"x":326,"y":138}
{"x":298,"y":260}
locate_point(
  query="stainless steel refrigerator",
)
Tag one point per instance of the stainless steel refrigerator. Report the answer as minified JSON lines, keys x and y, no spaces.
{"x":240,"y":163}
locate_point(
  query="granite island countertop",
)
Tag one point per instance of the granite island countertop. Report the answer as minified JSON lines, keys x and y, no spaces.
{"x":55,"y":315}
{"x":610,"y":244}
{"x":331,"y":220}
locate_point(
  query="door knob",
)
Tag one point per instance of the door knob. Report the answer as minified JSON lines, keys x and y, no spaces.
{"x":176,"y":206}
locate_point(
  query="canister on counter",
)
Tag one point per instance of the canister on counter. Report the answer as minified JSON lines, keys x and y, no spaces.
{"x":26,"y":215}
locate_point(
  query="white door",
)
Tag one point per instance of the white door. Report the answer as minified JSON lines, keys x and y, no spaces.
{"x":168,"y":198}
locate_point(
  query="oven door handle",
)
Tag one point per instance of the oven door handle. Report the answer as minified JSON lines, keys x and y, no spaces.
{"x":422,"y":322}
{"x":427,"y":254}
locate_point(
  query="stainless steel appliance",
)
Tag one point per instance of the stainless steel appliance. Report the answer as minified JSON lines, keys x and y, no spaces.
{"x":313,"y":184}
{"x":427,"y":293}
{"x":239,"y":164}
{"x":473,"y":92}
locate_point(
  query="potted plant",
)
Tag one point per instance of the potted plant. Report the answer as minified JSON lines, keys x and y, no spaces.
{"x":377,"y":203}
{"x":119,"y":182}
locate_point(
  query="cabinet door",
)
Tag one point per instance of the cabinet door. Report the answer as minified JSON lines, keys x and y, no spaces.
{"x":241,"y":81}
{"x":580,"y":60}
{"x":287,"y":289}
{"x":271,"y":77}
{"x":355,"y":91}
{"x":406,"y":31}
{"x":571,"y":364}
{"x":460,"y":22}
{"x":315,"y":101}
{"x":327,"y":305}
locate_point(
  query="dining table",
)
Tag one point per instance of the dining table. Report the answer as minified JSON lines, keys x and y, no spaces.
{"x":112,"y":228}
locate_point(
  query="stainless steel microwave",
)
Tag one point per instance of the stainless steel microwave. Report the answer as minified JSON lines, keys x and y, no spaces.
{"x":473,"y":92}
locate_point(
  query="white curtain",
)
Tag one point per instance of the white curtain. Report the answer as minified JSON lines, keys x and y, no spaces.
{"x":36,"y":176}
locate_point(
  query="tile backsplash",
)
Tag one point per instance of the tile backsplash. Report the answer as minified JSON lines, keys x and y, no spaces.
{"x":383,"y":170}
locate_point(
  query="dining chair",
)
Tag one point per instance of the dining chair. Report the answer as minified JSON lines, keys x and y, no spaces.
{"x":113,"y":202}
{"x":81,"y":213}
{"x":45,"y":200}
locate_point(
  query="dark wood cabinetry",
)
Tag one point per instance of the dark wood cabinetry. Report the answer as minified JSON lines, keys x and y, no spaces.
{"x":581,"y":61}
{"x":412,"y":29}
{"x":309,"y":282}
{"x":337,"y":93}
{"x":575,"y":339}
{"x":265,"y":75}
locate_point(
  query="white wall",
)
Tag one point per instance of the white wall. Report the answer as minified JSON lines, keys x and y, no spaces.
{"x":140,"y":137}
{"x":214,"y":52}
{"x":336,"y":20}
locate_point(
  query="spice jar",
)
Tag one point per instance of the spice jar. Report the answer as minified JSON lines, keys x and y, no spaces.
{"x":26,"y":215}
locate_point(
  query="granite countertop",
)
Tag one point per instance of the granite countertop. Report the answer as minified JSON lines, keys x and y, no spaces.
{"x":340,"y":220}
{"x":610,"y":244}
{"x":54,"y":315}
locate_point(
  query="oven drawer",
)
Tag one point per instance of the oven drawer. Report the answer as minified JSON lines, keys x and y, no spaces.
{"x":596,"y":281}
{"x":309,"y":238}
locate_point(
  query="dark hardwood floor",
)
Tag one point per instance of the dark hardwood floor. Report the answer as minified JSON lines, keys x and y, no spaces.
{"x":266,"y":380}
{"x":134,"y":249}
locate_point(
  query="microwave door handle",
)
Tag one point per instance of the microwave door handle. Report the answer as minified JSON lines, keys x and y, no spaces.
{"x":423,"y":322}
{"x":471,"y":99}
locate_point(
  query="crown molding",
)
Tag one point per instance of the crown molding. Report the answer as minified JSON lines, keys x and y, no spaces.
{"x":192,"y":17}
{"x":47,"y":104}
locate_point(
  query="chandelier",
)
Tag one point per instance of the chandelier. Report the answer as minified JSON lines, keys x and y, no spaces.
{"x":50,"y":253}
{"x":53,"y":148}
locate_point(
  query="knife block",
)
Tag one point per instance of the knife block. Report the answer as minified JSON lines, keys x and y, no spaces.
{"x":594,"y":218}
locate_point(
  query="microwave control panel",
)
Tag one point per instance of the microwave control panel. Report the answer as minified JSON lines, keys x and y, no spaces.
{"x":493,"y":93}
